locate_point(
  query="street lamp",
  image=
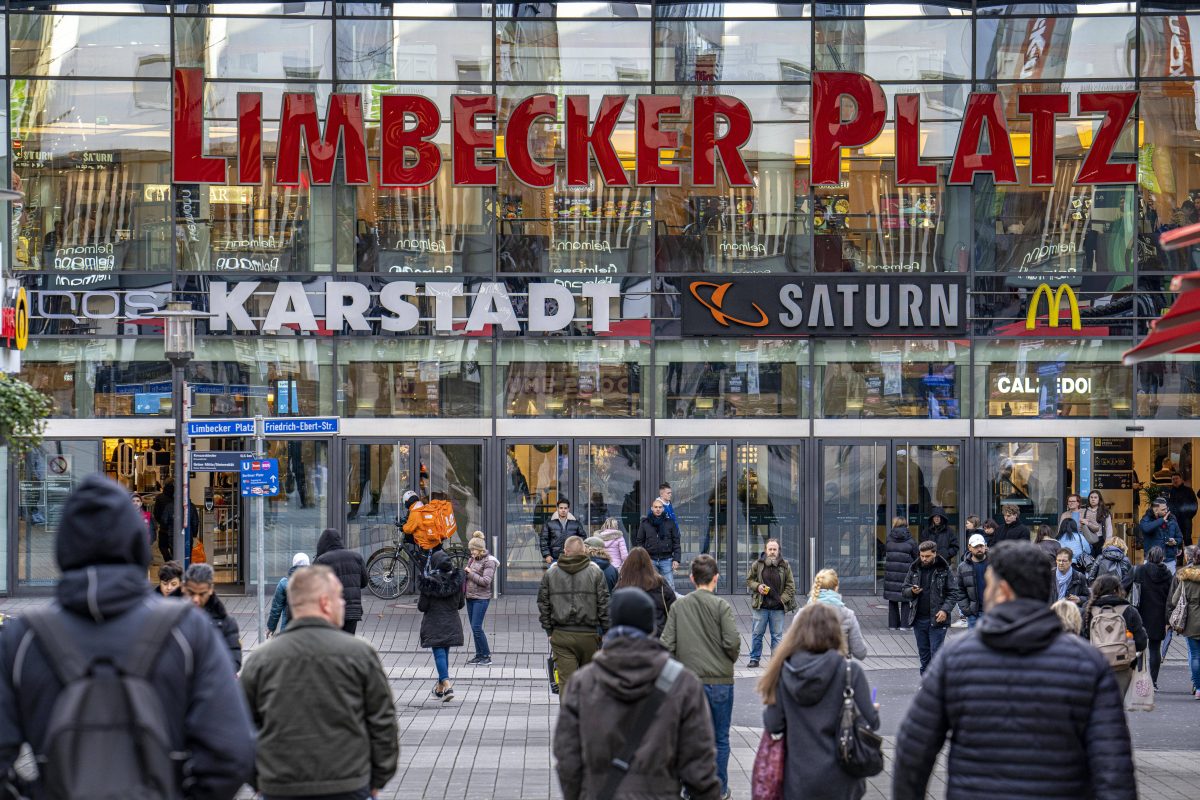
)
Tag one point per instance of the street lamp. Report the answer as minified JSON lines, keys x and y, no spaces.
{"x":179,"y":345}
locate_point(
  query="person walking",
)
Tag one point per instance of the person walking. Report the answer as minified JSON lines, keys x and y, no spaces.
{"x":1020,"y":686}
{"x":1013,"y":530}
{"x":940,"y":533}
{"x":105,"y":609}
{"x":1047,"y":540}
{"x":614,"y":542}
{"x":1160,"y":529}
{"x":803,"y":688}
{"x":321,"y":702}
{"x":1153,"y":580}
{"x":702,"y":634}
{"x":772,"y":595}
{"x":900,"y":551}
{"x":1113,"y":561}
{"x":1108,"y":594}
{"x":198,"y":587}
{"x":481,"y":574}
{"x":164,"y":520}
{"x":660,"y":536}
{"x":967,"y":581}
{"x":170,"y":579}
{"x":1089,"y":526}
{"x":139,"y":505}
{"x":278,"y":618}
{"x":440,"y":596}
{"x":572,"y":605}
{"x":1183,"y":505}
{"x":927,"y":586}
{"x":561,"y":526}
{"x":598,"y":720}
{"x":990,"y":531}
{"x":665,"y":493}
{"x":1097,"y":521}
{"x":1070,"y":537}
{"x":599,"y":557}
{"x":1187,"y":587}
{"x":638,"y":572}
{"x":351,"y":572}
{"x":825,"y":590}
{"x":429,"y":524}
{"x":1069,"y":583}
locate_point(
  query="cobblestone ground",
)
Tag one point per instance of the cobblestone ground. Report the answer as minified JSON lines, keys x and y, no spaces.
{"x":493,"y":740}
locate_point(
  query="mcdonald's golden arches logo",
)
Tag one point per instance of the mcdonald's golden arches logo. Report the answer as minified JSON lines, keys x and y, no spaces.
{"x":1055,"y":303}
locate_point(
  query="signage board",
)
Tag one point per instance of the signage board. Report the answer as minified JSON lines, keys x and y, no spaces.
{"x":1113,"y":461}
{"x":1113,"y":445}
{"x":300,"y":425}
{"x":1085,"y":465}
{"x":220,"y":427}
{"x":1112,"y":480}
{"x":793,"y":305}
{"x":259,"y":477}
{"x":217,"y":461}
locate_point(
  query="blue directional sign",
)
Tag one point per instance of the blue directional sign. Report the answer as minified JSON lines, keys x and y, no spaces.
{"x":260,"y":477}
{"x":221,"y":427}
{"x":283,"y":425}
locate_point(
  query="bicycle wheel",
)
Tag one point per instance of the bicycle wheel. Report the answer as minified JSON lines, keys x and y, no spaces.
{"x":458,"y":557}
{"x":389,"y":575}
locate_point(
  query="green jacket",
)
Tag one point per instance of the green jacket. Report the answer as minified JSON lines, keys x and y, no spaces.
{"x":787,"y":597}
{"x":701,"y":633}
{"x":573,"y":596}
{"x":324,"y":713}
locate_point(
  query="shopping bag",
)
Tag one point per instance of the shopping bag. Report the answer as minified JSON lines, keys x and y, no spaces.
{"x":198,"y":556}
{"x":1140,"y":696}
{"x":766,"y":782}
{"x":552,"y":672}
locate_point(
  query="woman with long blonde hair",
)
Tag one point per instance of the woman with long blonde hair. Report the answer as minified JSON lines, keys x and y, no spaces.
{"x":802,"y":689}
{"x":825,"y":591}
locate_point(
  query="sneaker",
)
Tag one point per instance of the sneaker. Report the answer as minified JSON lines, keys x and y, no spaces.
{"x":484,"y":662}
{"x":752,"y":663}
{"x":474,"y":660}
{"x":727,"y":795}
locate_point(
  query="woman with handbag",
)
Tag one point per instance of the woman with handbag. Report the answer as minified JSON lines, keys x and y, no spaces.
{"x":1184,"y":611}
{"x":1152,"y":582}
{"x":804,"y":689}
{"x":638,"y":571}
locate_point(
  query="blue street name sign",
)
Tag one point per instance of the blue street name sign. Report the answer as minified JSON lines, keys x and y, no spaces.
{"x":217,"y":461}
{"x":260,"y":477}
{"x":284,"y":425}
{"x":221,"y":427}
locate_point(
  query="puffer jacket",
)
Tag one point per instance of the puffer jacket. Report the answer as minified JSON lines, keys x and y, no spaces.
{"x":677,"y":751}
{"x":940,"y":598}
{"x":660,"y":540}
{"x":1155,"y":580}
{"x":280,"y":613}
{"x":441,"y":596}
{"x":480,"y":574}
{"x":555,"y":534}
{"x":1045,"y":700}
{"x":808,"y":701}
{"x":614,"y":543}
{"x":573,"y":596}
{"x":941,"y":534}
{"x":1112,"y":561}
{"x":966,"y":594}
{"x":226,"y":626}
{"x":1187,"y":582}
{"x":349,"y":567}
{"x":900,"y":553}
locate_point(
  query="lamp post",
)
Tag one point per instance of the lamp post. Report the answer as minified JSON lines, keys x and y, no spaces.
{"x":179,"y":345}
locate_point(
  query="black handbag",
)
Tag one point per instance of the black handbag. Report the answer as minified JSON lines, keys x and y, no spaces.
{"x":859,"y":749}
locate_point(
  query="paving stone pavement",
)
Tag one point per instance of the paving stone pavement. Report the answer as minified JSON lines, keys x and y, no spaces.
{"x":493,"y":740}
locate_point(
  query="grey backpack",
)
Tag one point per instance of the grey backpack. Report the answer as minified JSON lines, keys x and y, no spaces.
{"x":107,"y":736}
{"x":1109,"y":634}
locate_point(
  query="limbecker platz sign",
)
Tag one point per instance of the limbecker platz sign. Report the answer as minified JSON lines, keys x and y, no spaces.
{"x":718,"y":127}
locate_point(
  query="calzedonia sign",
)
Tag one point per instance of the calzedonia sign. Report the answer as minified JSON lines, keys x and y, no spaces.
{"x":718,"y":127}
{"x":824,"y":306}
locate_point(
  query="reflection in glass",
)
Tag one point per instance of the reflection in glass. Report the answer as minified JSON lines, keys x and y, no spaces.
{"x":572,"y":378}
{"x":100,"y":379}
{"x":45,"y":477}
{"x":853,"y":512}
{"x":732,"y":50}
{"x":454,"y":472}
{"x":1050,"y":378}
{"x":766,"y":504}
{"x":536,"y":479}
{"x":891,"y":378}
{"x":1074,"y":47}
{"x":296,"y":516}
{"x":1025,"y":475}
{"x":414,"y":50}
{"x":608,"y":480}
{"x":1169,"y":388}
{"x":391,"y":377}
{"x":699,"y":477}
{"x":724,"y":378}
{"x":902,"y":49}
{"x":927,"y":478}
{"x":287,"y":48}
{"x":274,"y":376}
{"x":569,"y":51}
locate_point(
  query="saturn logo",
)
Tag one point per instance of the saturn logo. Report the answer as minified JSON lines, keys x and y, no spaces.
{"x":717,"y":299}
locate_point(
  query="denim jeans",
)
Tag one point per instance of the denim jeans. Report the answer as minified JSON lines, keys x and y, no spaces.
{"x":762,"y":619}
{"x":720,"y":705}
{"x":475,"y":611}
{"x":1193,"y":661}
{"x":929,"y":639}
{"x":663,"y":565}
{"x":441,"y":660}
{"x":972,"y":619}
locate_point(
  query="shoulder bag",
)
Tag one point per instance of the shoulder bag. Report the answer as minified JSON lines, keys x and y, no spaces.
{"x":639,"y":721}
{"x":766,"y":782}
{"x":1179,"y":615}
{"x":859,"y":749}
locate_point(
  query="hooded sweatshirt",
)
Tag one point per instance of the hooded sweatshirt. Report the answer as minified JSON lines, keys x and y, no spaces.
{"x":573,"y":596}
{"x":349,"y":567}
{"x":939,"y":532}
{"x":808,"y":700}
{"x":1155,"y":580}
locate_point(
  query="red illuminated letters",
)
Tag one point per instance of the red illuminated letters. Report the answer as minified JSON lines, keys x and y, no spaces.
{"x":467,"y":139}
{"x":909,"y":169}
{"x":189,"y":164}
{"x":524,"y":166}
{"x":398,"y":140}
{"x":1096,"y":167}
{"x":598,"y":141}
{"x":709,"y":147}
{"x":984,"y":112}
{"x":249,"y":127}
{"x":343,"y":120}
{"x":652,"y":140}
{"x":829,"y":133}
{"x":1042,"y":109}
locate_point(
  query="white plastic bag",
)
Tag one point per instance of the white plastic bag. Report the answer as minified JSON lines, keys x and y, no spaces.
{"x":1140,"y":696}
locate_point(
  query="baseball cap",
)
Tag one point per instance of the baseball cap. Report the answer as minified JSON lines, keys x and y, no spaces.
{"x":976,"y":540}
{"x":594,"y":541}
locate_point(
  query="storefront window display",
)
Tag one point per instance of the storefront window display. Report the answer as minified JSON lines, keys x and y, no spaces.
{"x":549,"y":52}
{"x":1025,"y":475}
{"x":572,"y":378}
{"x":724,"y":378}
{"x":45,"y":477}
{"x":1169,"y":388}
{"x":271,"y":375}
{"x":1051,"y":378}
{"x":397,"y":378}
{"x":891,"y":378}
{"x":101,"y":378}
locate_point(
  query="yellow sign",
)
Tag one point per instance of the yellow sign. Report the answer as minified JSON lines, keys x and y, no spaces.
{"x":21,"y":320}
{"x":1055,"y":304}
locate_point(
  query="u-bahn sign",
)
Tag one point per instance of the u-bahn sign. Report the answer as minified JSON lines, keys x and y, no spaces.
{"x":719,"y":126}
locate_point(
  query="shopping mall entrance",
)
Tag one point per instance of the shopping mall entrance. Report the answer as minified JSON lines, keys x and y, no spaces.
{"x":864,"y":484}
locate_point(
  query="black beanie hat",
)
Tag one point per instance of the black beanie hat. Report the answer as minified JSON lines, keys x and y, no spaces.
{"x":99,"y":525}
{"x":633,"y":607}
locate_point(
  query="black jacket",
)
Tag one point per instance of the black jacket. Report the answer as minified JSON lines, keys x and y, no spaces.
{"x":940,"y":533}
{"x":441,"y":598}
{"x":610,"y":572}
{"x":1155,"y":580}
{"x":104,"y":556}
{"x":555,"y":533}
{"x":900,"y":553}
{"x":226,"y":626}
{"x":348,"y":566}
{"x":966,"y":594}
{"x":660,"y":541}
{"x":1076,"y":585}
{"x":1133,"y":620}
{"x":1112,"y":561}
{"x":1182,"y":502}
{"x":1040,"y":716}
{"x":164,"y":514}
{"x":940,"y":598}
{"x":1018,"y":532}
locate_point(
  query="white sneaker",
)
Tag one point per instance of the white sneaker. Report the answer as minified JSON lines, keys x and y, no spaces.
{"x":961,"y":623}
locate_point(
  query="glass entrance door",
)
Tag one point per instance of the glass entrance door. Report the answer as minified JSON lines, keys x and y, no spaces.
{"x":699,"y":476}
{"x":766,"y":505}
{"x":1027,"y":475}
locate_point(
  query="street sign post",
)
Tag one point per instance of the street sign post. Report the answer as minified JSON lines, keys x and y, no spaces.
{"x":218,"y":460}
{"x":300,"y":425}
{"x":200,"y":429}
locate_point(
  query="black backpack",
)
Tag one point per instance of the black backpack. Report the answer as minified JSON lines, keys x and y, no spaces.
{"x":107,"y":736}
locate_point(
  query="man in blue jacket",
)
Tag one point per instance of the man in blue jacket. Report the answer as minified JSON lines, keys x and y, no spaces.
{"x":1160,"y":529}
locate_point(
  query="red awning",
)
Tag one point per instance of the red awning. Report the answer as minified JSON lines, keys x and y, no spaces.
{"x":1176,"y":332}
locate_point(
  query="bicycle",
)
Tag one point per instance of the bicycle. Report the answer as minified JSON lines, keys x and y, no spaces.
{"x":392,"y":570}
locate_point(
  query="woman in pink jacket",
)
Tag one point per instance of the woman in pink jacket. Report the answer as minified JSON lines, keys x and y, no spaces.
{"x":614,"y":542}
{"x":480,"y":572}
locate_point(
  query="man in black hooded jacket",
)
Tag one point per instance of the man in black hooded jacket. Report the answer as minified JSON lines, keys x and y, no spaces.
{"x":350,"y":569}
{"x":106,"y":600}
{"x":1031,"y":712}
{"x":940,"y":533}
